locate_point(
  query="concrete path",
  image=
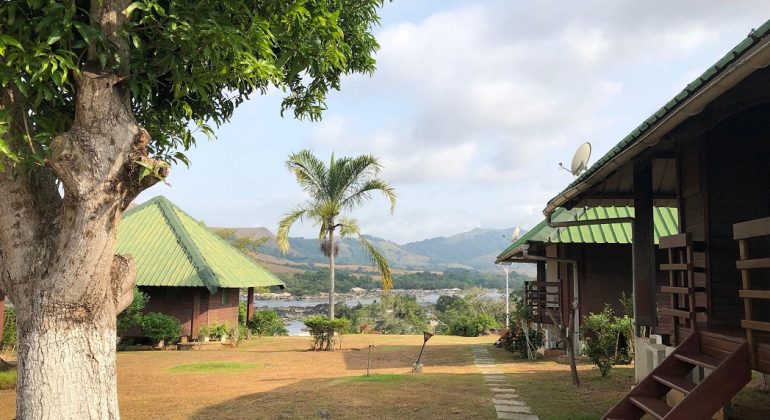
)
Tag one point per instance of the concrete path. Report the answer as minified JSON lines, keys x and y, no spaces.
{"x":505,"y":399}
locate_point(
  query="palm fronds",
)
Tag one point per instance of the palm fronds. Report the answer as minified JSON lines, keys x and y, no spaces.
{"x":380,"y":262}
{"x":282,"y":237}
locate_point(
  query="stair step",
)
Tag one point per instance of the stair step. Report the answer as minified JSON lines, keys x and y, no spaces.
{"x":683,"y":385}
{"x":699,"y":359}
{"x":653,"y":406}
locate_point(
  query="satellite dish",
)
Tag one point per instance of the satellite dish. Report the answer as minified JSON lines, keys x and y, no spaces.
{"x":580,"y":160}
{"x":515,"y":234}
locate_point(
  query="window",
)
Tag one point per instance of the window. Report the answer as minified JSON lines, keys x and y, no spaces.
{"x":225,"y":296}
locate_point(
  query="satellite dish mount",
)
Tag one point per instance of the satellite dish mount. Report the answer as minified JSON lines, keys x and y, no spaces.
{"x":580,"y":160}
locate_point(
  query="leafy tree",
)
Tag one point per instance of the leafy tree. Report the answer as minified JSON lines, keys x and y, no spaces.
{"x":267,"y":323}
{"x":334,"y":191}
{"x":97,"y":99}
{"x":132,"y":315}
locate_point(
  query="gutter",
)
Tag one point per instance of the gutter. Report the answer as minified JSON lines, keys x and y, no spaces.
{"x":694,"y":105}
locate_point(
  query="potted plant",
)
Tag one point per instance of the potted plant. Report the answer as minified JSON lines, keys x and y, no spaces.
{"x":204,"y":333}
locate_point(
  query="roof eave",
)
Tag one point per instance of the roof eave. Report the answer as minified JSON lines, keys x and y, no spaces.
{"x":758,"y":57}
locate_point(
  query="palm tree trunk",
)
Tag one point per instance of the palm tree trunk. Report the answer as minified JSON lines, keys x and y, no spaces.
{"x":331,"y":273}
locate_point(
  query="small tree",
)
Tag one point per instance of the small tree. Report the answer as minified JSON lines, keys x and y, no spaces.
{"x":566,"y":333}
{"x":603,"y":334}
{"x":160,"y":327}
{"x":323,"y":331}
{"x":267,"y":323}
{"x":132,"y":316}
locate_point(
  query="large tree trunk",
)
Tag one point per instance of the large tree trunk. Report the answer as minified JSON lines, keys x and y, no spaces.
{"x":56,"y":253}
{"x":66,"y":366}
{"x":331,"y":273}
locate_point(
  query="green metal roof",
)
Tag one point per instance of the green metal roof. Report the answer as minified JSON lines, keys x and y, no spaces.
{"x":666,"y":223}
{"x":732,"y":56}
{"x":173,"y":249}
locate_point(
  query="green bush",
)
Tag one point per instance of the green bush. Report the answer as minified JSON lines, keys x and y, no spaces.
{"x":471,"y":325}
{"x":242,"y":313}
{"x":203,"y":332}
{"x":159,"y":327}
{"x":267,"y":323}
{"x":9,"y":329}
{"x":605,"y":336}
{"x":323,"y":330}
{"x":217,"y":331}
{"x":515,"y":341}
{"x":132,"y":316}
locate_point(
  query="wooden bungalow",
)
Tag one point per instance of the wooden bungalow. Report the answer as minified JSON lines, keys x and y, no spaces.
{"x":583,"y":257}
{"x":186,"y":270}
{"x":706,"y":152}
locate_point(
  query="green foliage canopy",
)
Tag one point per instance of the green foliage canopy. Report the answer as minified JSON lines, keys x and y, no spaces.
{"x":186,"y":64}
{"x":132,"y":315}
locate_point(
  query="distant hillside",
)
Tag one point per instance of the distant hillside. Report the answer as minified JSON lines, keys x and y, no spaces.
{"x":474,"y":250}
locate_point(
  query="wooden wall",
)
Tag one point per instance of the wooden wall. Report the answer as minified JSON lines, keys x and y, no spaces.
{"x":178,"y":302}
{"x":738,"y":179}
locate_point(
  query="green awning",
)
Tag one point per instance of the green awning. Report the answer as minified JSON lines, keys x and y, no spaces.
{"x":666,"y":223}
{"x":175,"y":250}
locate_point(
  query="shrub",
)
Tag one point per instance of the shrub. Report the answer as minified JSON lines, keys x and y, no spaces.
{"x":515,"y":341}
{"x":132,"y":316}
{"x":471,"y":325}
{"x":323,"y":329}
{"x":159,"y":327}
{"x":8,"y":338}
{"x":267,"y":323}
{"x":242,"y":313}
{"x":203,"y":332}
{"x":217,"y":331}
{"x":603,"y":334}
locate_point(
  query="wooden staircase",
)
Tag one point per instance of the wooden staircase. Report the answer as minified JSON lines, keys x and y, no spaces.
{"x":730,"y":371}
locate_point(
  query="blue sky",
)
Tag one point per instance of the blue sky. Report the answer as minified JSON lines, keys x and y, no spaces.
{"x":473,"y":106}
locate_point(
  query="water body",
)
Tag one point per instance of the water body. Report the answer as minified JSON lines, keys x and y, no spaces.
{"x":297,"y":327}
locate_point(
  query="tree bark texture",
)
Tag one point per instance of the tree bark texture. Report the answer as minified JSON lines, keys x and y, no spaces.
{"x":57,"y":261}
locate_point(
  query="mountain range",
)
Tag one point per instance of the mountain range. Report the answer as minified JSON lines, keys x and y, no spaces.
{"x":472,"y":250}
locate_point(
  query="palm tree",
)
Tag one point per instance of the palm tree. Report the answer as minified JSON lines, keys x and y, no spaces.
{"x":334,"y":191}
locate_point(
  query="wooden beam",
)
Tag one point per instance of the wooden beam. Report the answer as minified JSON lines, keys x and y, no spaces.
{"x":196,"y":310}
{"x":643,"y":249}
{"x":249,"y":304}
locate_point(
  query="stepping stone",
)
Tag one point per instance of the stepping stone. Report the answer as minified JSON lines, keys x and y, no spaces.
{"x":494,"y":379}
{"x":513,"y":409}
{"x":506,"y":397}
{"x":517,"y":416}
{"x":497,"y":390}
{"x":491,"y":372}
{"x":498,"y":401}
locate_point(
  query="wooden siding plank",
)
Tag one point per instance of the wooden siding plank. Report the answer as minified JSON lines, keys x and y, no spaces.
{"x":751,"y":228}
{"x":756,"y":325}
{"x":754,"y":294}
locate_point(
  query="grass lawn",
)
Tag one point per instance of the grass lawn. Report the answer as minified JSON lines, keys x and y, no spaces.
{"x":7,"y":379}
{"x":278,"y":378}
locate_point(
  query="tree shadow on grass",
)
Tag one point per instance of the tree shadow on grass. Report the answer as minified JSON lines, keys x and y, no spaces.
{"x":404,"y":356}
{"x":399,"y":396}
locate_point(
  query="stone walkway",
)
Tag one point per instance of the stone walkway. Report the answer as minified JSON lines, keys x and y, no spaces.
{"x":505,"y":399}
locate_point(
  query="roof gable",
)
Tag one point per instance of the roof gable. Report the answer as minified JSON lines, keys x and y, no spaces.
{"x":173,"y":249}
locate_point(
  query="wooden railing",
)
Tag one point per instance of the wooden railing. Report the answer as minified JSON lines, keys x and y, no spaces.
{"x":681,"y":283}
{"x":542,"y":296}
{"x":744,"y":232}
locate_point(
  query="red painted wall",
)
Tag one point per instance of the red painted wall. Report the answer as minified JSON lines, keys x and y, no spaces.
{"x":178,"y":302}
